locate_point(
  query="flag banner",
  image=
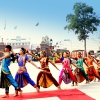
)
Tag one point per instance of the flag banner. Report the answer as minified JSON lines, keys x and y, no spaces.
{"x":37,"y":24}
{"x":15,"y":27}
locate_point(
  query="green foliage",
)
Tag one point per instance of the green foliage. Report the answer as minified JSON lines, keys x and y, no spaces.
{"x":83,"y":21}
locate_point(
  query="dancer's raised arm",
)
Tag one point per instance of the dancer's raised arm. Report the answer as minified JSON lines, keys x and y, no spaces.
{"x":55,"y":55}
{"x":95,"y":62}
{"x":1,"y":52}
{"x":33,"y":55}
{"x":30,"y":61}
{"x":53,"y":64}
{"x":85,"y":62}
{"x":13,"y":53}
{"x":6,"y":56}
{"x":74,"y":58}
{"x":74,"y":65}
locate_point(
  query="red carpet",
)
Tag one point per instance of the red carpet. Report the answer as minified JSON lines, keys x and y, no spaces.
{"x":72,"y":94}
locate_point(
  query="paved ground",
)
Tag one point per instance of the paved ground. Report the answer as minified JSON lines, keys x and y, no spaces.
{"x":92,"y":89}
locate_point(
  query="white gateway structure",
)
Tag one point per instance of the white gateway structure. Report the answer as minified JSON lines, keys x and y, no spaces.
{"x":19,"y":42}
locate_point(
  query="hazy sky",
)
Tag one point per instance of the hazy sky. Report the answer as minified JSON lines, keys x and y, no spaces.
{"x":51,"y":15}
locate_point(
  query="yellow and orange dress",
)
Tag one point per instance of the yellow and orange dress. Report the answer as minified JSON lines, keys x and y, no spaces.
{"x":45,"y":78}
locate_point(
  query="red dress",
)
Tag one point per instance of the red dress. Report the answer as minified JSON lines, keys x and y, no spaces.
{"x":91,"y":70}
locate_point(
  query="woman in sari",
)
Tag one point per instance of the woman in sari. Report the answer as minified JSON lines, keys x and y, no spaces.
{"x":6,"y":78}
{"x":66,"y":69}
{"x":45,"y":78}
{"x":79,"y":71}
{"x":22,"y":77}
{"x":92,"y":73}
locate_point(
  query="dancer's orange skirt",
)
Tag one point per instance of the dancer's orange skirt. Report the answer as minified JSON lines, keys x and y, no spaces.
{"x":80,"y":78}
{"x":92,"y":73}
{"x":45,"y":79}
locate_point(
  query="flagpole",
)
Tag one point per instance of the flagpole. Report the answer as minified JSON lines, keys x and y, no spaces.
{"x":15,"y":28}
{"x":5,"y":32}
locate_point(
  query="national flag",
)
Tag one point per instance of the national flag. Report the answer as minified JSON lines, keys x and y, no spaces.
{"x":37,"y":24}
{"x":15,"y":27}
{"x":5,"y":25}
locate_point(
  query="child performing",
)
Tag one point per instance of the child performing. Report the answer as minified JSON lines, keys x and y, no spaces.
{"x":22,"y":77}
{"x":6,"y":78}
{"x":91,"y":70}
{"x":66,"y":61}
{"x":79,"y":71}
{"x":45,"y":78}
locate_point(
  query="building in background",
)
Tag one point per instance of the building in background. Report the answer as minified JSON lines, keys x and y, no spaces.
{"x":19,"y":42}
{"x":34,"y":46}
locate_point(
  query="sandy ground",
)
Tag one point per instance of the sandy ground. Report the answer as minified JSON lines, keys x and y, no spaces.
{"x":92,"y":89}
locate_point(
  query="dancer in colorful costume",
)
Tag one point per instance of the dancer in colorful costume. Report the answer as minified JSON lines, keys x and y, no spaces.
{"x":98,"y":67}
{"x":98,"y":70}
{"x":79,"y":71}
{"x":6,"y":78}
{"x":45,"y":78}
{"x":73,"y":70}
{"x":22,"y":77}
{"x":92,"y":73}
{"x":66,"y":73}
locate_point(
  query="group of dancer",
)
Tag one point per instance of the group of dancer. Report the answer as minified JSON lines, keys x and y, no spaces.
{"x":22,"y":78}
{"x":79,"y":74}
{"x":45,"y":78}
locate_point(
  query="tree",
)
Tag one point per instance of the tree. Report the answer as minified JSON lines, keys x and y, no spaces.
{"x":83,"y":21}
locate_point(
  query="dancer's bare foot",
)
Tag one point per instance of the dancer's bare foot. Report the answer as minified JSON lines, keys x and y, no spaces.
{"x":76,"y":84}
{"x":16,"y":93}
{"x":72,"y":85}
{"x":5,"y":96}
{"x":59,"y":88}
{"x":98,"y":80}
{"x":37,"y":89}
{"x":94,"y":80}
{"x":87,"y":82}
{"x":20,"y":92}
